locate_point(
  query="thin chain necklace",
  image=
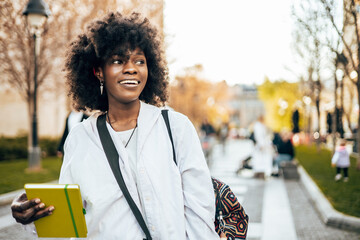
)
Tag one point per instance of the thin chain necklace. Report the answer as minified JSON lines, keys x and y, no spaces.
{"x":132,"y":133}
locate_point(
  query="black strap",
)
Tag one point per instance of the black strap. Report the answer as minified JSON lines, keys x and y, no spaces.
{"x":218,"y":199}
{"x":113,"y":158}
{"x":165,"y":115}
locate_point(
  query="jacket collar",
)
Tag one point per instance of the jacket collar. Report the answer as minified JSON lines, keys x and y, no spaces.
{"x":148,"y":115}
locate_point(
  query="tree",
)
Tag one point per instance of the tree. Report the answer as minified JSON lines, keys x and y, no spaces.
{"x":309,"y":32}
{"x":197,"y":98}
{"x":280,"y":99}
{"x":312,"y":23}
{"x":67,"y":20}
{"x":350,"y":36}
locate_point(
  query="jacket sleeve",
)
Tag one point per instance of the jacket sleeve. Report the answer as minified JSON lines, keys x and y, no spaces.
{"x":335,"y":158}
{"x":199,"y":199}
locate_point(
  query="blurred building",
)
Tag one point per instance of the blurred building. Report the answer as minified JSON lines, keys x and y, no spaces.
{"x":245,"y":104}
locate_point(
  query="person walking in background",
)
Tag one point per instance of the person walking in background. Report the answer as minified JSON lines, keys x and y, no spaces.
{"x":263,"y":152}
{"x":341,"y":160}
{"x":72,"y":119}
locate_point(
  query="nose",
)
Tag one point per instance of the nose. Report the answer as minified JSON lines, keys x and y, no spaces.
{"x":129,"y":68}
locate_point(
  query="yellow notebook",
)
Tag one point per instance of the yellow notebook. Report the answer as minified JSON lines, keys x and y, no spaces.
{"x":68,"y":218}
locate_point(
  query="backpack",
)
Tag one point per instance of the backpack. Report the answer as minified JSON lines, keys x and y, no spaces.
{"x":230,"y":216}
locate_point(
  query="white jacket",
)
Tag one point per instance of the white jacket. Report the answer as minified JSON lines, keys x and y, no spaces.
{"x":341,"y":158}
{"x":179,"y":200}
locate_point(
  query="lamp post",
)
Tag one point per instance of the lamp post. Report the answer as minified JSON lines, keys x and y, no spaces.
{"x":341,"y":63}
{"x":340,"y":77}
{"x":36,"y":12}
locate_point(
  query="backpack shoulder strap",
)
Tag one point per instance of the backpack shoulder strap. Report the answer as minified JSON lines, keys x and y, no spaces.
{"x":165,"y":115}
{"x":113,"y":158}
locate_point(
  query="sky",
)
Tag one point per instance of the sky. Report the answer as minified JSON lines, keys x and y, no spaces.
{"x":235,"y":40}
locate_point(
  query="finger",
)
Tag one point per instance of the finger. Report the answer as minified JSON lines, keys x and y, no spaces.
{"x":43,"y":213}
{"x":24,"y":218}
{"x":27,"y":216}
{"x":29,"y":213}
{"x":29,"y":204}
{"x":39,"y":207}
{"x":21,"y":203}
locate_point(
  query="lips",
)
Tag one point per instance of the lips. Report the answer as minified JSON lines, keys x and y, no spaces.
{"x":133,"y":82}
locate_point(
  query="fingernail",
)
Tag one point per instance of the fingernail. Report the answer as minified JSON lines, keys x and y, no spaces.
{"x":37,"y":200}
{"x":51,"y":209}
{"x":42,"y":205}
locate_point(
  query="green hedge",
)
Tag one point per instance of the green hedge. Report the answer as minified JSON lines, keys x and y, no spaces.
{"x":16,"y":147}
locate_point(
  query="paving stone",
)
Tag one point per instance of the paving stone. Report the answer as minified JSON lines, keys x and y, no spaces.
{"x":308,"y":224}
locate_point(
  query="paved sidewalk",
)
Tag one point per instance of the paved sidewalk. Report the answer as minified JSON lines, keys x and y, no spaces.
{"x":277,"y":208}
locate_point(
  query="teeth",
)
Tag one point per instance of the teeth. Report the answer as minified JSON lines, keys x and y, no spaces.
{"x":129,"y":82}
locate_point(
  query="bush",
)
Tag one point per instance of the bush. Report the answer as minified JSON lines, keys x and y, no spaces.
{"x":16,"y":147}
{"x":49,"y":146}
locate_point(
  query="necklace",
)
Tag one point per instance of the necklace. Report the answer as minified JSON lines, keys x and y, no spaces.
{"x":132,"y":133}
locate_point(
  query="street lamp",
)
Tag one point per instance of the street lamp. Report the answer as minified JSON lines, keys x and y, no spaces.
{"x":341,"y":63}
{"x":36,"y":12}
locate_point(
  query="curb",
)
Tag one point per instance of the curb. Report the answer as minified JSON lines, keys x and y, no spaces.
{"x":7,"y":198}
{"x":328,"y":214}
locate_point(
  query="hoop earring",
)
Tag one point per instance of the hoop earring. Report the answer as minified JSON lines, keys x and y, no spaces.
{"x":101,"y":87}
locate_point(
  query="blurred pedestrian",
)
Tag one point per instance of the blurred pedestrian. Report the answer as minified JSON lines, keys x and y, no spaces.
{"x":207,"y":128}
{"x":207,"y":137}
{"x":73,"y":118}
{"x":223,"y":135}
{"x":341,"y":160}
{"x":284,"y":149}
{"x":263,"y":152}
{"x":117,"y":67}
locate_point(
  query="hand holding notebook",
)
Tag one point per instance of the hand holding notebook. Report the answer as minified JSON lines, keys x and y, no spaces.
{"x":67,"y":220}
{"x":26,"y":211}
{"x":60,"y":202}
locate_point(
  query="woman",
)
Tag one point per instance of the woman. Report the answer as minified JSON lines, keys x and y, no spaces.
{"x":117,"y":67}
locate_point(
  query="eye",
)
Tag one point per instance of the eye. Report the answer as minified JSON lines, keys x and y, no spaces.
{"x":140,"y":61}
{"x":117,"y":61}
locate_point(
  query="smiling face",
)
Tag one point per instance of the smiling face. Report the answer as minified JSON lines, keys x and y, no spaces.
{"x":125,"y":77}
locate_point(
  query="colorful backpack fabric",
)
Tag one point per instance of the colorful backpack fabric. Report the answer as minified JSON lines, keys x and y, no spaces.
{"x":230,"y":217}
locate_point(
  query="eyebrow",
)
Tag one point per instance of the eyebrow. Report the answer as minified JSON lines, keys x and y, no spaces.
{"x":140,"y":53}
{"x":137,"y":53}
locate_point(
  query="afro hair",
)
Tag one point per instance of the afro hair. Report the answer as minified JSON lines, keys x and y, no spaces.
{"x":90,"y":50}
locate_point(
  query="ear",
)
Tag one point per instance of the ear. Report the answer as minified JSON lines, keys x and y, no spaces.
{"x":99,"y":73}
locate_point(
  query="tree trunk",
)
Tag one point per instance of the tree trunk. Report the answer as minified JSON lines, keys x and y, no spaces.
{"x":30,"y":104}
{"x":334,"y":120}
{"x":358,"y":125}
